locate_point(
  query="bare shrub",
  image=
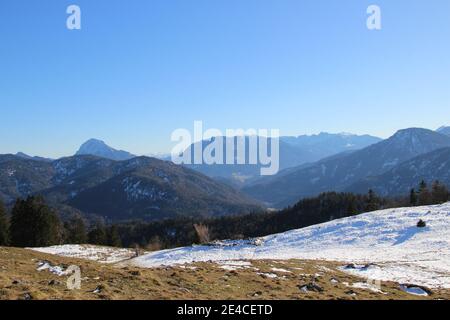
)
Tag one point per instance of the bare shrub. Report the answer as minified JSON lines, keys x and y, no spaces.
{"x":202,"y":233}
{"x":137,"y":250}
{"x":154,"y":244}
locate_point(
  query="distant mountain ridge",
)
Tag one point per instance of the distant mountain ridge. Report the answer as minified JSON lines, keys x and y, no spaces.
{"x":340,"y":172}
{"x":326,"y":144}
{"x":26,"y":156}
{"x":99,"y":148}
{"x":444,"y":130}
{"x":294,"y":151}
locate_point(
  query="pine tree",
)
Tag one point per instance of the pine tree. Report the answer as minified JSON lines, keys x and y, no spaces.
{"x":98,"y":235}
{"x":34,"y":224}
{"x":76,"y":230}
{"x":4,"y":236}
{"x":113,"y":237}
{"x":424,"y":194}
{"x":351,"y":208}
{"x":413,"y":197}
{"x":439,"y":193}
{"x":372,"y":203}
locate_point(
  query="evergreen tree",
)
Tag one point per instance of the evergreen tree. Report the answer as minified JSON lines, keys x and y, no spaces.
{"x":76,"y":230}
{"x":98,"y":235}
{"x":372,"y":203}
{"x":424,"y":194}
{"x":352,"y":208}
{"x":113,"y":237}
{"x":4,"y":236}
{"x":439,"y":193}
{"x":34,"y":224}
{"x":413,"y":197}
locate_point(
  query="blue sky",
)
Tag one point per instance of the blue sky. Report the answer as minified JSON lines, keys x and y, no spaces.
{"x":140,"y":69}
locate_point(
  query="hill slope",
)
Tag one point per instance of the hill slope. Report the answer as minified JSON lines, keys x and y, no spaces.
{"x":388,"y":241}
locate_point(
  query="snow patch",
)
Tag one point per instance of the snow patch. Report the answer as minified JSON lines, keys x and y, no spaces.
{"x":234,"y":265}
{"x":267,"y":275}
{"x":280,"y":270}
{"x":89,"y":252}
{"x":45,"y":265}
{"x":367,"y":286}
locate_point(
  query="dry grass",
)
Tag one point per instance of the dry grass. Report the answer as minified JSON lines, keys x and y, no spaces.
{"x":19,"y":279}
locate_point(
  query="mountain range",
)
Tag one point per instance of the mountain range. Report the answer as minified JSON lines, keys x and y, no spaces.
{"x":102,"y":181}
{"x":344,"y":171}
{"x":293,"y":151}
{"x":139,"y":188}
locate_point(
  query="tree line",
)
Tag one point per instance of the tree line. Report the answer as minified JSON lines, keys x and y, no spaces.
{"x":33,"y":223}
{"x":309,"y":211}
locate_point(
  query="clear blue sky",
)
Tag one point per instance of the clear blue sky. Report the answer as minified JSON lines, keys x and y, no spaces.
{"x":140,"y":69}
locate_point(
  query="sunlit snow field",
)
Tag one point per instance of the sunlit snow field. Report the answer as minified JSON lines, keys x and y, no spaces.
{"x":383,"y":245}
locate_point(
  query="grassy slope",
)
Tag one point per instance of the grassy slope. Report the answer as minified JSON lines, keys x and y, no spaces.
{"x":19,"y":280}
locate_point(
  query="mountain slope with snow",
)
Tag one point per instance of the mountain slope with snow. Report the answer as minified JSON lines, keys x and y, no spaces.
{"x":340,"y":172}
{"x":430,"y":167}
{"x":387,"y":242}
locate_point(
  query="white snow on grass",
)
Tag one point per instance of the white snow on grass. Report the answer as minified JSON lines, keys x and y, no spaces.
{"x":268,"y":275}
{"x":234,"y":265}
{"x":388,"y":238}
{"x":367,"y":286}
{"x":280,"y":270}
{"x":44,"y":265}
{"x":89,"y":252}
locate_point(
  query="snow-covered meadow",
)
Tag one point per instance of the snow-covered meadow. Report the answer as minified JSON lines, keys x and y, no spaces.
{"x":387,"y":244}
{"x":382,"y":245}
